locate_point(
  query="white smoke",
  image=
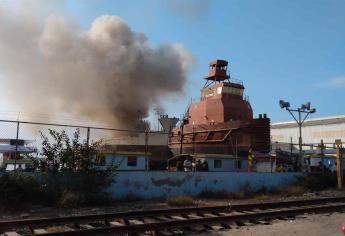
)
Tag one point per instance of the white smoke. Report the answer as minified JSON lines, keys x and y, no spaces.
{"x":107,"y":73}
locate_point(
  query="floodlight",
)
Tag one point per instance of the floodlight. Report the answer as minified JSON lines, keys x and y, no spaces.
{"x":305,"y":106}
{"x":305,"y":110}
{"x":284,"y":104}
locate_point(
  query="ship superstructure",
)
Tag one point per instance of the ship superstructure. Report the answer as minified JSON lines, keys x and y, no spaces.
{"x":222,"y":121}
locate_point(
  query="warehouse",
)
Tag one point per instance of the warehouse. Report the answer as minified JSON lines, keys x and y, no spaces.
{"x":327,"y":129}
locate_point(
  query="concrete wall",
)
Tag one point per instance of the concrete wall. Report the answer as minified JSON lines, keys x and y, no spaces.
{"x":154,"y":184}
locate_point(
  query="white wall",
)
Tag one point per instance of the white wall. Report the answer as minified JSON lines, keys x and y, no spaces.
{"x":121,"y":161}
{"x":310,"y":134}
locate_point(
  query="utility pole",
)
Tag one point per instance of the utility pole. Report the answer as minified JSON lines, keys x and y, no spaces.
{"x":88,"y":143}
{"x":322,"y":156}
{"x":250,"y":161}
{"x":181,"y":138}
{"x":339,"y":157}
{"x":193,"y":138}
{"x":146,"y":149}
{"x":305,"y":110}
{"x":16,"y":150}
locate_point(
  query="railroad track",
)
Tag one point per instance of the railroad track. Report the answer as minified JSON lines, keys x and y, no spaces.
{"x":170,"y":221}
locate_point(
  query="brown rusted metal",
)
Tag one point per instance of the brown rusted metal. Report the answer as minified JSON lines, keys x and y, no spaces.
{"x":222,"y":106}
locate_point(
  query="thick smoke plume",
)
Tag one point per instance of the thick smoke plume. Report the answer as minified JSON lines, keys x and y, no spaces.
{"x":107,"y":73}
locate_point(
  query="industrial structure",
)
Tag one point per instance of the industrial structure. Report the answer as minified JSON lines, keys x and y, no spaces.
{"x":327,"y":129}
{"x":222,"y":121}
{"x":318,"y":150}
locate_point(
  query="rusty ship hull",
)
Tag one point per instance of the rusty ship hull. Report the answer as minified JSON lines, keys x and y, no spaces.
{"x":222,"y":121}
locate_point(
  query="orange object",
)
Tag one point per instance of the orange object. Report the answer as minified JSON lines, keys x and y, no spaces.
{"x":343,"y":228}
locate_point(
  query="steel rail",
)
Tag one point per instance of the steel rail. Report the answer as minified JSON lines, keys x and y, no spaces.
{"x":4,"y":225}
{"x":204,"y":220}
{"x":134,"y":214}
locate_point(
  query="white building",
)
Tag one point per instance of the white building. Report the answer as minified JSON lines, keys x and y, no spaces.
{"x":122,"y":160}
{"x":327,"y":129}
{"x":219,"y":162}
{"x":8,"y":151}
{"x":209,"y":162}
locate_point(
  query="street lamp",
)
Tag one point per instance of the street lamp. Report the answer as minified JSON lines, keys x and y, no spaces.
{"x":305,"y":109}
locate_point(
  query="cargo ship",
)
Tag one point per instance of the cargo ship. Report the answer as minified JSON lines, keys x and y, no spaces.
{"x":222,"y":121}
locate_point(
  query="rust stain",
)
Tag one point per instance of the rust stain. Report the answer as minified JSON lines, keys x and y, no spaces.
{"x":197,"y":181}
{"x":171,"y":181}
{"x":137,"y":184}
{"x":126,"y":182}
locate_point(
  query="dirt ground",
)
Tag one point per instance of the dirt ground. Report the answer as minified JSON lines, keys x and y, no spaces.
{"x":307,"y":225}
{"x":41,"y":211}
{"x":315,"y":225}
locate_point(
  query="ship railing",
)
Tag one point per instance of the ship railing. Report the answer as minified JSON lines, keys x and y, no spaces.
{"x":246,"y":98}
{"x":192,"y":100}
{"x":235,"y":81}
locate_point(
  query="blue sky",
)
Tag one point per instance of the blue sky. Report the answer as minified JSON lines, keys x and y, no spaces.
{"x":286,"y":49}
{"x":293,"y":50}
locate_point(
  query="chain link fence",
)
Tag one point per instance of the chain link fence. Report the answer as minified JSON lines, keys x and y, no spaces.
{"x":20,"y":138}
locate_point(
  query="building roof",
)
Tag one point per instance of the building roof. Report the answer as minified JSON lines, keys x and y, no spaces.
{"x":6,"y":148}
{"x":208,"y":156}
{"x":311,"y":122}
{"x":8,"y":141}
{"x":127,"y":153}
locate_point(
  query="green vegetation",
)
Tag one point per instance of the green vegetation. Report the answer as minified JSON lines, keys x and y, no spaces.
{"x":17,"y":189}
{"x":316,"y":182}
{"x":66,"y":176}
{"x":64,"y":154}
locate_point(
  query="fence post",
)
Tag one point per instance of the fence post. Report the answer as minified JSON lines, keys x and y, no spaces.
{"x":339,"y":156}
{"x":16,"y":150}
{"x":146,"y":149}
{"x":323,"y":156}
{"x":88,"y":142}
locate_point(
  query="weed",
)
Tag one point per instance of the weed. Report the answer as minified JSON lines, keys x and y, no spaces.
{"x":214,"y":194}
{"x":292,"y":190}
{"x":316,"y":182}
{"x":181,"y":200}
{"x":262,"y":197}
{"x":69,"y":199}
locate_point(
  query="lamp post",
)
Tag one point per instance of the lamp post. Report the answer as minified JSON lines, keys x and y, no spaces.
{"x":303,"y":113}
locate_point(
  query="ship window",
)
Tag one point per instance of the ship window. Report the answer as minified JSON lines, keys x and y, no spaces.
{"x":131,"y":161}
{"x":238,"y":164}
{"x":231,"y":90}
{"x":217,"y":163}
{"x":219,"y":90}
